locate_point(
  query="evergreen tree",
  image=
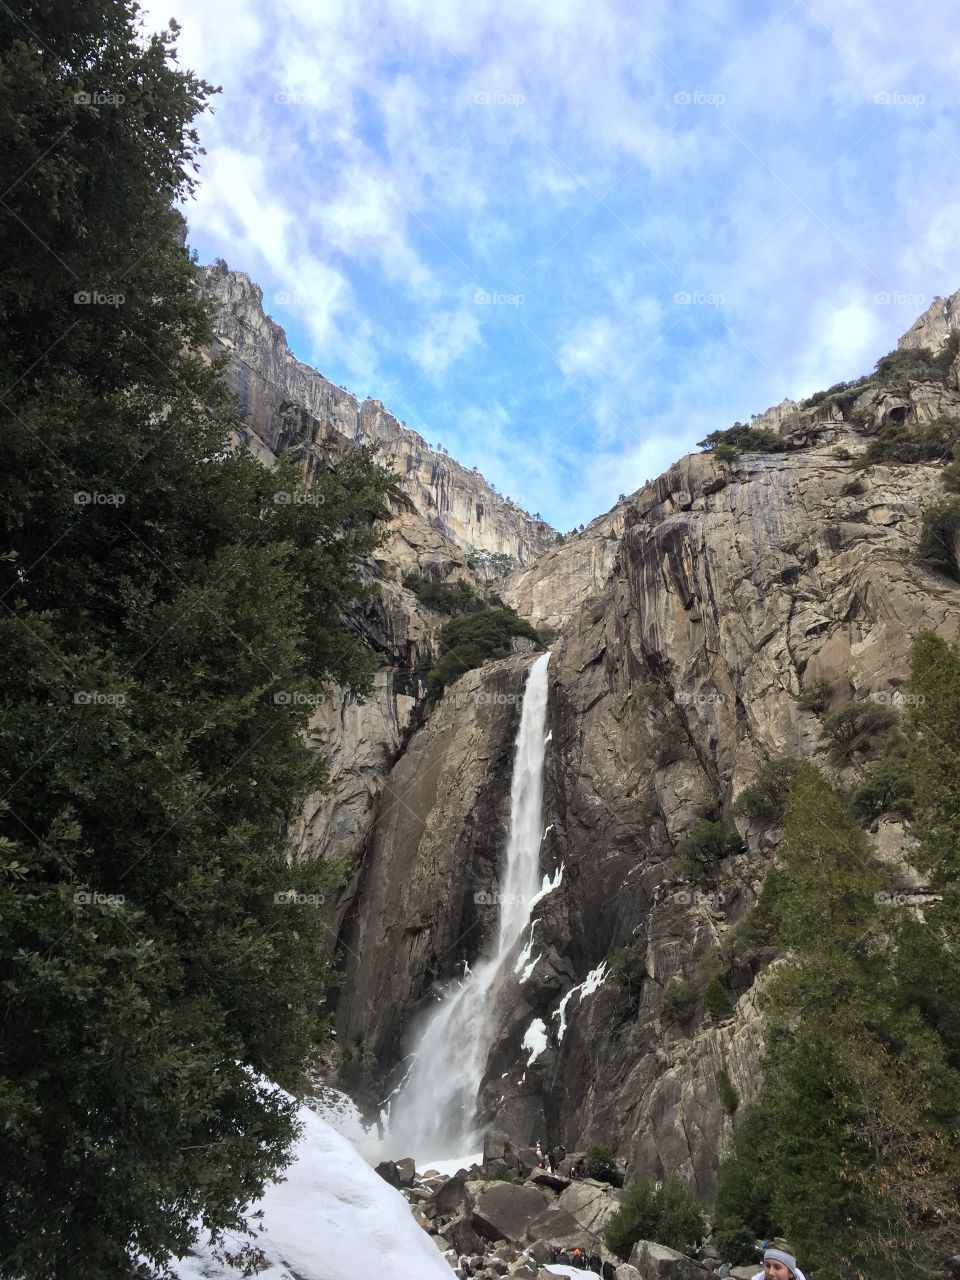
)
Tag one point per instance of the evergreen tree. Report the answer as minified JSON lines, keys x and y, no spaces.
{"x":172,"y":612}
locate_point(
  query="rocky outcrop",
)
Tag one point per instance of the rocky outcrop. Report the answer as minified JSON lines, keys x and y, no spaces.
{"x":286,"y":404}
{"x":935,"y":325}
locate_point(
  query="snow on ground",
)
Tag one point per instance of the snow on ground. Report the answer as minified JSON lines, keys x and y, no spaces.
{"x":448,"y":1166}
{"x":535,"y":1039}
{"x":332,"y":1218}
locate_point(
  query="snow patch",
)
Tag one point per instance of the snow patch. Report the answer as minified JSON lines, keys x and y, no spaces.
{"x":548,"y":885}
{"x":591,"y":983}
{"x":535,"y":1039}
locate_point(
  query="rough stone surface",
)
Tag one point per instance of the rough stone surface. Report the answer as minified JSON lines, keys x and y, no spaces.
{"x":657,"y":1262}
{"x":506,"y":1210}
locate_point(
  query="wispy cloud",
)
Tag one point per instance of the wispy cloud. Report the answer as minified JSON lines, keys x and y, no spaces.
{"x":683,"y":215}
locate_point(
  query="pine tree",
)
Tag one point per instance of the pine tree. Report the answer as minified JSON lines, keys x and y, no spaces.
{"x":172,"y":613}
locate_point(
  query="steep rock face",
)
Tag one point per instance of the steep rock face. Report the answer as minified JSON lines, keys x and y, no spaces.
{"x":454,"y":528}
{"x":271,"y":382}
{"x":935,"y":325}
{"x":732,"y":587}
{"x":433,"y":851}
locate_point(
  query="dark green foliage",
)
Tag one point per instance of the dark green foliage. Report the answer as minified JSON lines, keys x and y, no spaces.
{"x":169,"y":625}
{"x":710,"y":842}
{"x":853,"y":489}
{"x":452,"y":597}
{"x":735,"y":1243}
{"x":716,"y":1000}
{"x":843,"y":392}
{"x":728,"y":1094}
{"x":671,"y":1216}
{"x":726,"y":452}
{"x":917,"y":364}
{"x":940,"y":537}
{"x":628,"y":969}
{"x":474,"y":638}
{"x":950,"y":477}
{"x":896,"y":442}
{"x":842,"y":453}
{"x":851,"y":1148}
{"x":858,"y":728}
{"x":745,"y":440}
{"x":886,"y":786}
{"x":764,"y":798}
{"x":679,"y":1002}
{"x":815,"y":696}
{"x":602,"y":1165}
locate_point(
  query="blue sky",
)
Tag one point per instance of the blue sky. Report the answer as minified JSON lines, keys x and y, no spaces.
{"x":566,"y":240}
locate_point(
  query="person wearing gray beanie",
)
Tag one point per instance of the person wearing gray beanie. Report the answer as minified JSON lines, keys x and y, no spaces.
{"x":779,"y":1263}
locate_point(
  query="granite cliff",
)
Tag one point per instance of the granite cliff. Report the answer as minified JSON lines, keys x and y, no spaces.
{"x":689,"y":623}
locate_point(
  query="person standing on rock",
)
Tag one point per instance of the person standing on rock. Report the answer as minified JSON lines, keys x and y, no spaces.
{"x":551,"y":1163}
{"x":779,"y":1263}
{"x":540,"y":1163}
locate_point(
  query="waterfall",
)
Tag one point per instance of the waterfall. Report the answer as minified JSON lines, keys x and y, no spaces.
{"x":433,"y":1112}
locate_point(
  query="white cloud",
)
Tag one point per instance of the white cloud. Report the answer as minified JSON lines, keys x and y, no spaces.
{"x":448,"y":337}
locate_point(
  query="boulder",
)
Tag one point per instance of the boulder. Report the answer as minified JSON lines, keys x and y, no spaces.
{"x":555,"y":1225}
{"x":590,"y":1202}
{"x":463,"y":1236}
{"x":505,"y":1211}
{"x":406,"y":1171}
{"x":626,"y":1272}
{"x":657,"y":1262}
{"x":496,"y":1145}
{"x":551,"y":1181}
{"x":745,"y":1273}
{"x":450,"y":1196}
{"x":388,"y":1172}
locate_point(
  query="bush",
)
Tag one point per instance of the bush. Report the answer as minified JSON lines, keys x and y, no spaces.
{"x":939,"y":536}
{"x":815,"y":697}
{"x":601,"y":1165}
{"x":628,"y":968}
{"x":728,"y":1094}
{"x":857,"y":729}
{"x":679,"y":1002}
{"x":745,"y":439}
{"x":716,"y":1000}
{"x":844,"y":392}
{"x":473,"y":638}
{"x":710,"y":842}
{"x":735,"y":1243}
{"x":764,"y":798}
{"x":853,"y":489}
{"x":896,"y":442}
{"x":842,"y":453}
{"x":950,"y":477}
{"x":446,"y":597}
{"x":670,"y":1215}
{"x":726,"y":452}
{"x":886,"y":787}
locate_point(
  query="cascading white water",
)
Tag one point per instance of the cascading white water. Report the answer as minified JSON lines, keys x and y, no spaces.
{"x":433,"y":1113}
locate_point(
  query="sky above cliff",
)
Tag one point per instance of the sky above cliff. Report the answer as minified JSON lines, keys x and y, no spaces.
{"x":568,"y":240}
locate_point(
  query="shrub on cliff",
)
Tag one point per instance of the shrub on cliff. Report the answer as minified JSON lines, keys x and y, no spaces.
{"x":940,"y":536}
{"x":896,"y":442}
{"x":745,"y":440}
{"x":858,"y":728}
{"x":474,"y":638}
{"x":445,"y":597}
{"x":763,"y":800}
{"x":709,"y":842}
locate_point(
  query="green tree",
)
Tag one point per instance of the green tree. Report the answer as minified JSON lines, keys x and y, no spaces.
{"x":668,"y":1214}
{"x":172,"y":614}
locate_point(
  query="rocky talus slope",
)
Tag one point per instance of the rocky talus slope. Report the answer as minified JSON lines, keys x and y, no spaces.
{"x":688,"y":622}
